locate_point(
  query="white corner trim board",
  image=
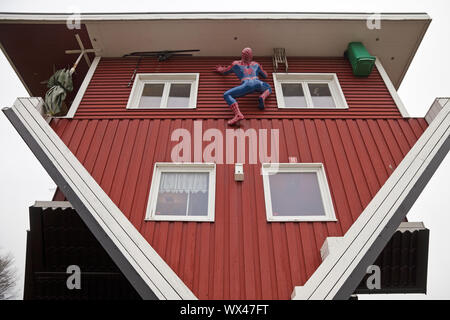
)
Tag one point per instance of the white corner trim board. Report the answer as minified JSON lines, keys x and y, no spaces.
{"x":391,"y":88}
{"x":140,"y":263}
{"x":343,"y":269}
{"x":82,"y":90}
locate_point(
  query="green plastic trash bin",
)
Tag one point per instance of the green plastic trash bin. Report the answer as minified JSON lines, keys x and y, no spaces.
{"x":360,"y":59}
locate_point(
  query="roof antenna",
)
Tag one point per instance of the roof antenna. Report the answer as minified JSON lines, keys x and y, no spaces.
{"x":162,"y":55}
{"x":83,"y":52}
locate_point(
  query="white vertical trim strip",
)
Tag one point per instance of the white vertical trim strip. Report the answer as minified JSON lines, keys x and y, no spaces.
{"x":123,"y":16}
{"x":391,"y":88}
{"x":81,"y":91}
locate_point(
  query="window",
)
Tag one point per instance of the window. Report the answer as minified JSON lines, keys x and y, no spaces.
{"x":309,"y":90}
{"x":164,"y":90}
{"x":297,"y":192}
{"x":182,"y":192}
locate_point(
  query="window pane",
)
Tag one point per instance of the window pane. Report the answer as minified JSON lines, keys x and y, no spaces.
{"x":198,"y":204}
{"x":179,"y":95}
{"x":171,"y":204}
{"x":183,"y":194}
{"x":296,"y":194}
{"x":293,"y":95}
{"x":151,"y":95}
{"x":321,"y":95}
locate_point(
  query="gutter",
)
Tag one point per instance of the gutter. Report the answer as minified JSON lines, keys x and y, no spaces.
{"x":62,"y":17}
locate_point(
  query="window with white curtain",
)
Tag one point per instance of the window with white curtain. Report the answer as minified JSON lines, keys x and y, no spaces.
{"x":309,"y":90}
{"x":297,"y":192}
{"x":182,"y":192}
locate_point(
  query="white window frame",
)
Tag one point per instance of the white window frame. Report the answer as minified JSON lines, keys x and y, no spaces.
{"x":318,"y":168}
{"x":304,"y":79}
{"x":167,"y":79}
{"x":161,"y":167}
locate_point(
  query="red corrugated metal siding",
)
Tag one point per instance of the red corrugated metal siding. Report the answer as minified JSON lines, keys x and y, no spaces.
{"x":107,"y":94}
{"x":240,"y":255}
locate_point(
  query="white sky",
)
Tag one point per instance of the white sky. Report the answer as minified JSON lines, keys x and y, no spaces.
{"x":23,"y":180}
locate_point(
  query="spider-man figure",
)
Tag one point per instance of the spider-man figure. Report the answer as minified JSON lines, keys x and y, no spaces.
{"x":247,"y":71}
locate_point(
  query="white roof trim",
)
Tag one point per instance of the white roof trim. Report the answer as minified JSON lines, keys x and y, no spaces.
{"x":340,"y":273}
{"x":82,"y":90}
{"x":210,"y":16}
{"x":140,"y":263}
{"x":394,"y":94}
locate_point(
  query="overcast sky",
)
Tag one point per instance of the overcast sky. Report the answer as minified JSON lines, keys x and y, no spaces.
{"x":23,"y":180}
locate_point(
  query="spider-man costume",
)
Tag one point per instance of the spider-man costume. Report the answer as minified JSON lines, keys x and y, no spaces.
{"x":248,"y":72}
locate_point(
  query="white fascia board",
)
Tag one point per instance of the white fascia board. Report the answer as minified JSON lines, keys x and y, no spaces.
{"x":342,"y":271}
{"x":82,"y":90}
{"x":61,"y":17}
{"x":390,"y":86}
{"x":146,"y":271}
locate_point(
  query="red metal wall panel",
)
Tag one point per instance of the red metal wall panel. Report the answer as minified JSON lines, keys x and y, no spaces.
{"x":107,"y":94}
{"x":240,"y":255}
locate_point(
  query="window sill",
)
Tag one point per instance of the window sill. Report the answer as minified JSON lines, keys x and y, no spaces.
{"x":158,"y":108}
{"x":307,"y":108}
{"x":303,"y":219}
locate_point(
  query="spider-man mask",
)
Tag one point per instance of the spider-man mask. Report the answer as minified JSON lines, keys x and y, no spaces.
{"x":247,"y":55}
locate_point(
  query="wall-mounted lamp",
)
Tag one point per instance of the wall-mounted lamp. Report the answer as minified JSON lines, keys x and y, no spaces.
{"x":239,"y":172}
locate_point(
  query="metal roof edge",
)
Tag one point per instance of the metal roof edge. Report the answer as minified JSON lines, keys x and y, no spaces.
{"x":55,"y":17}
{"x":411,"y":226}
{"x":52,"y":204}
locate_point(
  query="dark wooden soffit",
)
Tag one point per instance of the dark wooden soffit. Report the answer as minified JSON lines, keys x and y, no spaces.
{"x":35,"y":50}
{"x":59,"y":238}
{"x":403,"y":262}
